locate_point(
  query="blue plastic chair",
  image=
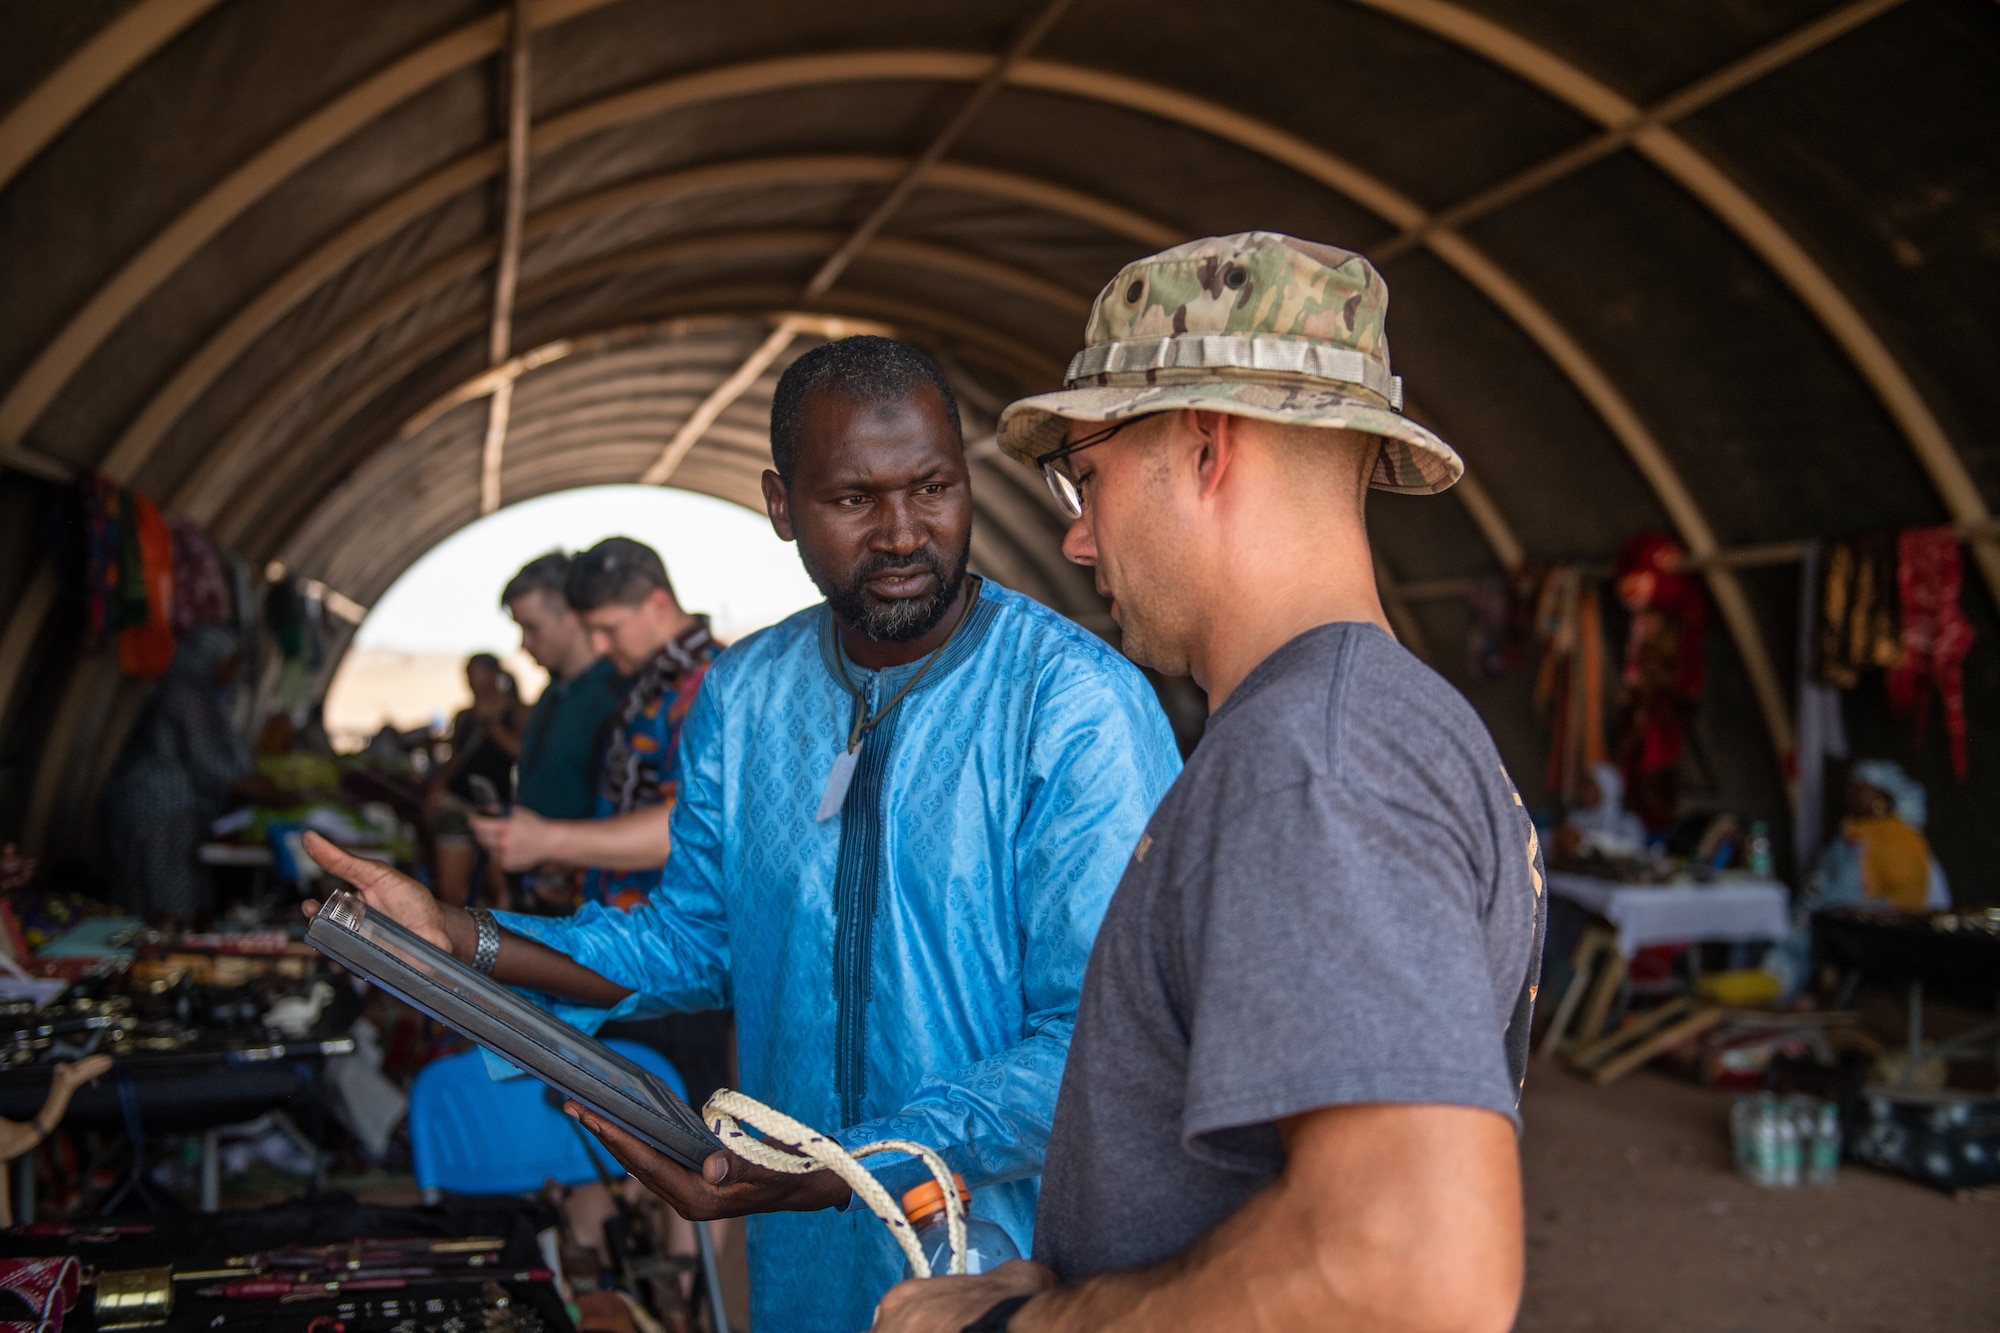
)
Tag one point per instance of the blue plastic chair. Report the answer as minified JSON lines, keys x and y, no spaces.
{"x":471,"y":1134}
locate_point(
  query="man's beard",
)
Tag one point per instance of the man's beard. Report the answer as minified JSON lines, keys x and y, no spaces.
{"x":1155,"y":620}
{"x":891,"y":620}
{"x":1149,"y":643}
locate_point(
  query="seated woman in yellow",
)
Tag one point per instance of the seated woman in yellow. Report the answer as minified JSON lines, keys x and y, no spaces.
{"x":1881,"y":855}
{"x":1879,"y":859}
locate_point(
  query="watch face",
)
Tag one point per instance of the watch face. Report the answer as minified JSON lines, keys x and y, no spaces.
{"x":424,"y":976}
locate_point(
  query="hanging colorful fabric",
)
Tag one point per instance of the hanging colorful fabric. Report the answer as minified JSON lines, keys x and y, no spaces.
{"x":1857,"y":630}
{"x":128,"y":606}
{"x":147,"y":649}
{"x":1936,"y":635}
{"x":100,"y":562}
{"x":1488,"y":601}
{"x":1569,"y":688}
{"x":201,"y":589}
{"x":1664,"y":673}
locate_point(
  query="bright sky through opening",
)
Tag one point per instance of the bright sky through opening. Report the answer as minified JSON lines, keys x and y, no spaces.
{"x":722,"y":558}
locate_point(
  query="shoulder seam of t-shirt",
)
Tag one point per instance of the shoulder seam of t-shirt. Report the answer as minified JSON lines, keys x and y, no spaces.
{"x":1336,"y":703}
{"x":1262,"y":675}
{"x":1339,"y":695}
{"x":1334,"y":686}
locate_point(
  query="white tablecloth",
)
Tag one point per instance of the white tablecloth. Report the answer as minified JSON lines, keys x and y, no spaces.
{"x":1648,"y":914}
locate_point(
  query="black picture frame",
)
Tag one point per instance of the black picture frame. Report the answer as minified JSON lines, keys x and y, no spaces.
{"x":420,"y":974}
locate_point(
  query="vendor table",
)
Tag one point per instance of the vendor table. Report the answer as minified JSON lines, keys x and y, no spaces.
{"x":1941,"y":952}
{"x":1727,"y":911}
{"x":193,"y":1242}
{"x":1730,"y":911}
{"x":182,"y":1092}
{"x":255,"y":856}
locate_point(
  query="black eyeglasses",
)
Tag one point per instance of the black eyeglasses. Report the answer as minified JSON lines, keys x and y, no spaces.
{"x":1062,"y":481}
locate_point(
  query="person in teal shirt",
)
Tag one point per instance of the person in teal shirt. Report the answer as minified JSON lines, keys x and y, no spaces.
{"x":562,"y":748}
{"x":563,"y":745}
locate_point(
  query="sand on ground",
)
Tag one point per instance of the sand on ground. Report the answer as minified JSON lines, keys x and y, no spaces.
{"x":1637,"y":1223}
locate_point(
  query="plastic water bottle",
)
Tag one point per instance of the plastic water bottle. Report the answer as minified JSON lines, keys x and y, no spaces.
{"x":1743,"y":1137}
{"x":986,"y":1245}
{"x":1765,"y":1166}
{"x":1789,"y":1153}
{"x":1761,"y":864}
{"x":1825,"y":1161}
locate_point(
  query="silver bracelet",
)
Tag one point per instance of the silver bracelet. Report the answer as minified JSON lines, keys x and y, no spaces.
{"x":486,"y":951}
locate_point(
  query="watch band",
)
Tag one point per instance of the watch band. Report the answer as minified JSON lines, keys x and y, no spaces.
{"x":486,"y":951}
{"x":996,"y":1319}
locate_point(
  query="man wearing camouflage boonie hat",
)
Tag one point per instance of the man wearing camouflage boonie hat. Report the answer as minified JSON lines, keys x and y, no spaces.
{"x":1291,"y":1097}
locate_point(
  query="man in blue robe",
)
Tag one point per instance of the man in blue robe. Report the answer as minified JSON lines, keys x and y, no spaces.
{"x":901,"y":816}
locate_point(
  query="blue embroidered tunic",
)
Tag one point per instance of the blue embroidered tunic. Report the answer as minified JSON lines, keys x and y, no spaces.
{"x":909,"y":968}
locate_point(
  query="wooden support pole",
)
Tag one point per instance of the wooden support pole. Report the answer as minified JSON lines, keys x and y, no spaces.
{"x":836,"y":264}
{"x":507,"y":272}
{"x":1761,"y":555}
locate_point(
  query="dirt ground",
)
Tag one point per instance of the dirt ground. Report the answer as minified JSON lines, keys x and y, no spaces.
{"x":1637,"y":1223}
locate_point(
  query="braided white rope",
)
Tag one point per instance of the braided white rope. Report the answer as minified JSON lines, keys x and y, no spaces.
{"x":814,"y":1151}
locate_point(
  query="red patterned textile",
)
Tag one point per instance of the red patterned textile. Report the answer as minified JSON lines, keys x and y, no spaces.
{"x":147,"y":649}
{"x":1664,"y":673}
{"x":43,"y":1289}
{"x":1936,"y":635}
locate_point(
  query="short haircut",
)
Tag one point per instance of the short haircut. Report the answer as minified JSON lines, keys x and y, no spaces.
{"x":865,"y":369}
{"x":616,"y":570}
{"x":487,"y":660}
{"x":545,"y":573}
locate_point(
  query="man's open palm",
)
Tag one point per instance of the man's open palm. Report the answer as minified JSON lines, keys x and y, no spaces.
{"x":383,"y":889}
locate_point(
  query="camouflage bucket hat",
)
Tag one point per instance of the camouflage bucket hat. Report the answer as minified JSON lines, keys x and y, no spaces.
{"x":1256,"y":324}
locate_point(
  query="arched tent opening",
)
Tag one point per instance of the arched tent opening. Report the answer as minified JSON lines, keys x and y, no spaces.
{"x":405,"y":665}
{"x":1713,"y":270}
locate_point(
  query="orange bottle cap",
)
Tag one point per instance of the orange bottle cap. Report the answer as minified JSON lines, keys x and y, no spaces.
{"x":927,"y":1199}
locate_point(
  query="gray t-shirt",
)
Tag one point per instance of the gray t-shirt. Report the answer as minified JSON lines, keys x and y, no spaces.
{"x":1339,"y":902}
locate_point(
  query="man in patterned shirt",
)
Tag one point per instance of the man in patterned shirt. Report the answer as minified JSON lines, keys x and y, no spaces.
{"x":620,"y":589}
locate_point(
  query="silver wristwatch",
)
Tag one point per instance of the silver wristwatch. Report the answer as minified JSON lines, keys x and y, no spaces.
{"x":486,"y":951}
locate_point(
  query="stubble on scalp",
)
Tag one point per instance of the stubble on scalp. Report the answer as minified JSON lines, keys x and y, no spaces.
{"x":1328,"y":464}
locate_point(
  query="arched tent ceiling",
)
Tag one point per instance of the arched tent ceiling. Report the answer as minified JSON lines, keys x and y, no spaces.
{"x":1723,"y":268}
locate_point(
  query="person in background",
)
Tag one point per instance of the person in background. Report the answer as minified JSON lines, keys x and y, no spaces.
{"x":1881,"y":856}
{"x":625,"y":602}
{"x":1879,"y":859}
{"x":16,"y":870}
{"x":1292,"y":1098}
{"x":17,"y":1138}
{"x":485,"y":741}
{"x":1601,"y":823}
{"x":178,"y":769}
{"x":621,"y":594}
{"x":562,"y":749}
